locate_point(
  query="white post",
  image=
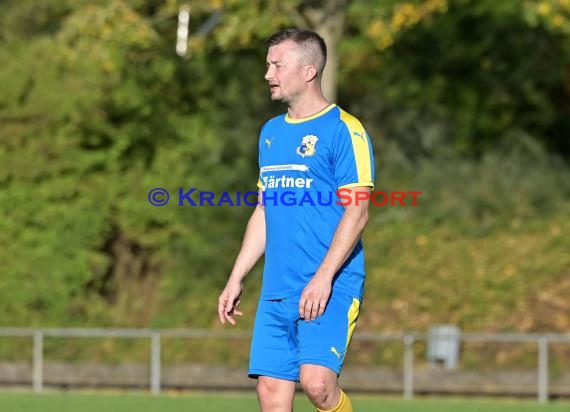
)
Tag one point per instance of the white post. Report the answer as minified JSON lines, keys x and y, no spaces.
{"x":155,"y":363}
{"x":38,"y":361}
{"x":182,"y":31}
{"x":543,"y":370}
{"x":408,"y":367}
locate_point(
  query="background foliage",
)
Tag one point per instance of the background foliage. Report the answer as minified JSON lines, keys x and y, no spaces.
{"x":466,"y":100}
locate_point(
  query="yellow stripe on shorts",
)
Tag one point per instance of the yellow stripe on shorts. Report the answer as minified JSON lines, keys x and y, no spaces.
{"x":352,"y":316}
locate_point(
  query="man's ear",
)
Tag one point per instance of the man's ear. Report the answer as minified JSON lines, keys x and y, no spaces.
{"x":310,"y":73}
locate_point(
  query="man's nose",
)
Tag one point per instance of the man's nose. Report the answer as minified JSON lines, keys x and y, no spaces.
{"x":268,"y":73}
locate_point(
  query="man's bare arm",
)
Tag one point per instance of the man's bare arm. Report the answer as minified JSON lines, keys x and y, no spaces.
{"x":317,"y":292}
{"x":252,"y":248}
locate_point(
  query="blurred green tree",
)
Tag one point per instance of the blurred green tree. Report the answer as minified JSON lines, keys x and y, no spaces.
{"x":96,"y":109}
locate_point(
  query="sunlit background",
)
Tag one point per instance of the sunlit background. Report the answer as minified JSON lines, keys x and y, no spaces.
{"x":467,"y":101}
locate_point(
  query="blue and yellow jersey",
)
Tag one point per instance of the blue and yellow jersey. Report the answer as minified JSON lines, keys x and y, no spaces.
{"x":303,"y":162}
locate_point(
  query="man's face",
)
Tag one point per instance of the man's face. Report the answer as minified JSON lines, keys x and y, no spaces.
{"x":285,"y":73}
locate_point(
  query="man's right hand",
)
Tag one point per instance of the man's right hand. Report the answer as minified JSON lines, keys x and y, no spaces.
{"x":228,"y":302}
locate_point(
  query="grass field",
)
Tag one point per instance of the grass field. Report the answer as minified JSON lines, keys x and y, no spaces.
{"x":57,"y":402}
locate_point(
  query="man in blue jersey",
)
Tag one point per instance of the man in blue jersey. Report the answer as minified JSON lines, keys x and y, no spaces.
{"x":313,"y":277}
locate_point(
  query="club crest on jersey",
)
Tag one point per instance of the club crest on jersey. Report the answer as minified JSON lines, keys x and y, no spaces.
{"x":308,"y":146}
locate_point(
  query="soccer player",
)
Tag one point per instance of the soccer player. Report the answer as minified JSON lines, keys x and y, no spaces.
{"x":313,"y":278}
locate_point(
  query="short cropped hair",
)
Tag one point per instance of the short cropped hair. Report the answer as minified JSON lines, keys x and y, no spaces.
{"x":313,"y":45}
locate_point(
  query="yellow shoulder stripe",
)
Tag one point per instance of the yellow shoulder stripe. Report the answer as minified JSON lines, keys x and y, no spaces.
{"x":359,"y":146}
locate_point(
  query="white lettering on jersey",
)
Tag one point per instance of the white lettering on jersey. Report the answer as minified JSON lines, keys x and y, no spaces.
{"x":272,"y":182}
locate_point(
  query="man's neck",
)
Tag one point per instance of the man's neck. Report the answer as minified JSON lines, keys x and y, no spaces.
{"x":307,"y":107}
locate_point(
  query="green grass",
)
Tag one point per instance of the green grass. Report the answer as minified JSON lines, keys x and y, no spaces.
{"x":57,"y":402}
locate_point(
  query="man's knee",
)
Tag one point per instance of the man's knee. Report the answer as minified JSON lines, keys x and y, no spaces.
{"x":320,"y":385}
{"x":266,"y":388}
{"x":275,"y":394}
{"x":318,"y":391}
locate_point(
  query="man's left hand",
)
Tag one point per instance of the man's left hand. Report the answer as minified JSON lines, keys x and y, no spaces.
{"x":314,"y":298}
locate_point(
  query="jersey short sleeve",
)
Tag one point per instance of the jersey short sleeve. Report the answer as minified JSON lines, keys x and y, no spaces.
{"x":352,"y":157}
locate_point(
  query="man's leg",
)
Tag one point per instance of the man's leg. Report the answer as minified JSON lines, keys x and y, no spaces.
{"x":273,"y":355}
{"x":275,"y":395}
{"x":321,"y":386}
{"x":323,"y":344}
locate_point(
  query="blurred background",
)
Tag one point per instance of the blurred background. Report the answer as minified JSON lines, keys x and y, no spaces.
{"x":467,"y":101}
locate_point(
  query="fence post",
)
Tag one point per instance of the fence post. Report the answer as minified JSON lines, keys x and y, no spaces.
{"x":155,"y":363}
{"x":38,"y":361}
{"x":543,"y":369}
{"x":408,"y":367}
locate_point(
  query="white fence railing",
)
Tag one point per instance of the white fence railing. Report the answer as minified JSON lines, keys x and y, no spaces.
{"x":542,"y":341}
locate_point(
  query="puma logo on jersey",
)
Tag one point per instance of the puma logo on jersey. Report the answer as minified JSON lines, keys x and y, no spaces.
{"x":333,"y":350}
{"x":268,"y":142}
{"x":361,"y":135}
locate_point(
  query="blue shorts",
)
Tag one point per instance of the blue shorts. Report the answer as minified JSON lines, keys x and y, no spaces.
{"x":282,"y":341}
